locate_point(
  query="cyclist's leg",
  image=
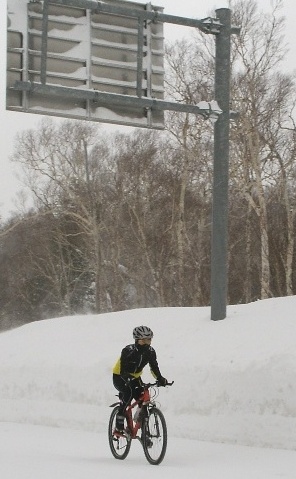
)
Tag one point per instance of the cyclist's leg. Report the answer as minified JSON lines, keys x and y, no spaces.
{"x":125,"y":396}
{"x":137,"y":388}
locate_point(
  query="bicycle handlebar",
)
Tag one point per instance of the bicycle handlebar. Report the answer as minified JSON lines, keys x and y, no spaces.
{"x":170,"y":384}
{"x":148,"y":385}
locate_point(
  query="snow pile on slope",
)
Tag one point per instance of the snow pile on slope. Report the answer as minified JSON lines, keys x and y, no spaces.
{"x":234,"y":379}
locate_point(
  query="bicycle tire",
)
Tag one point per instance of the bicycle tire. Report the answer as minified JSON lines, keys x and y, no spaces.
{"x":120,"y":447}
{"x":154,"y":436}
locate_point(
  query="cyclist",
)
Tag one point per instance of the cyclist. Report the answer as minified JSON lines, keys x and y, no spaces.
{"x":129,"y":367}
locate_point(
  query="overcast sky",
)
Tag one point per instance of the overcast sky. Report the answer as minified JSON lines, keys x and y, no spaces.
{"x":12,"y":122}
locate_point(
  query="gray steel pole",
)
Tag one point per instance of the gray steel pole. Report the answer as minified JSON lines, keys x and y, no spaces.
{"x":221,"y":160}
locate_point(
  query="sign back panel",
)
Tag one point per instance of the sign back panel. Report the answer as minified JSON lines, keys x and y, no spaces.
{"x":71,"y":47}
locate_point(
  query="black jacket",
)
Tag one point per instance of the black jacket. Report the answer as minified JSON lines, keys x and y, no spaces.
{"x":134,"y":358}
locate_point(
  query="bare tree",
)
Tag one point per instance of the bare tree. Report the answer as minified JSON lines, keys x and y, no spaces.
{"x":57,"y":168}
{"x":261,"y":95}
{"x":189,"y":79}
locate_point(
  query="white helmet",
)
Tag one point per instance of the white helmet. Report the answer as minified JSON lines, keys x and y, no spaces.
{"x":142,"y":332}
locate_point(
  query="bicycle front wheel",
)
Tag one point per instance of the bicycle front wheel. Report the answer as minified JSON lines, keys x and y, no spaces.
{"x":120,"y":446}
{"x":154,"y":436}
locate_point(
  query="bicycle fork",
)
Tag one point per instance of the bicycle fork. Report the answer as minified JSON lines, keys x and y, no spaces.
{"x":155,"y":432}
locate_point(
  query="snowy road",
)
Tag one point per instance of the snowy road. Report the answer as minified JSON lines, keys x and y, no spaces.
{"x":38,"y":452}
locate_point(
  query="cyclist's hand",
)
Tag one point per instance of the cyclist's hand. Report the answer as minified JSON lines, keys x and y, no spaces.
{"x":162,"y":381}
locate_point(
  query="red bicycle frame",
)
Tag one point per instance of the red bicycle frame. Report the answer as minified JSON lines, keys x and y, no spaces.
{"x":145,"y":398}
{"x":133,"y":427}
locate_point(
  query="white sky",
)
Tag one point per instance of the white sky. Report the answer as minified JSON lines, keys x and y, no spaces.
{"x":12,"y":122}
{"x":231,"y":412}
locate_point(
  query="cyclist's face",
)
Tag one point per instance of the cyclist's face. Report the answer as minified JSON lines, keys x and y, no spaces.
{"x":144,"y":341}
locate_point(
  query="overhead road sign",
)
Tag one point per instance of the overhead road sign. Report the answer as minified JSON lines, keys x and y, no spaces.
{"x":101,"y":61}
{"x":77,"y":45}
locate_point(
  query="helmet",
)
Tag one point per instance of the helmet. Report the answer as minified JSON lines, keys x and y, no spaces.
{"x":142,"y":332}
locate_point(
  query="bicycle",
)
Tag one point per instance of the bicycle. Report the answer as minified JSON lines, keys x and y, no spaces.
{"x":147,"y":420}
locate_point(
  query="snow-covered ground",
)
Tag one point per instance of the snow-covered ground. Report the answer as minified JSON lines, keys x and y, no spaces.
{"x":38,"y":452}
{"x":231,"y":412}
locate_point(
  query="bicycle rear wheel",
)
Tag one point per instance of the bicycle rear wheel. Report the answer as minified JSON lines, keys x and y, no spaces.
{"x":154,"y":436}
{"x":120,"y":446}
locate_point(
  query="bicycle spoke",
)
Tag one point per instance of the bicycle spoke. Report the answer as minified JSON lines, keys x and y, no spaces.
{"x":120,"y":446}
{"x":154,"y":436}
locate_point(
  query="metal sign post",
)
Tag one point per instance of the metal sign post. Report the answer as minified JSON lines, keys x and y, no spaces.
{"x":220,"y":180}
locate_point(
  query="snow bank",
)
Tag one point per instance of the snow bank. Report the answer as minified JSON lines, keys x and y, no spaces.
{"x":234,"y":379}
